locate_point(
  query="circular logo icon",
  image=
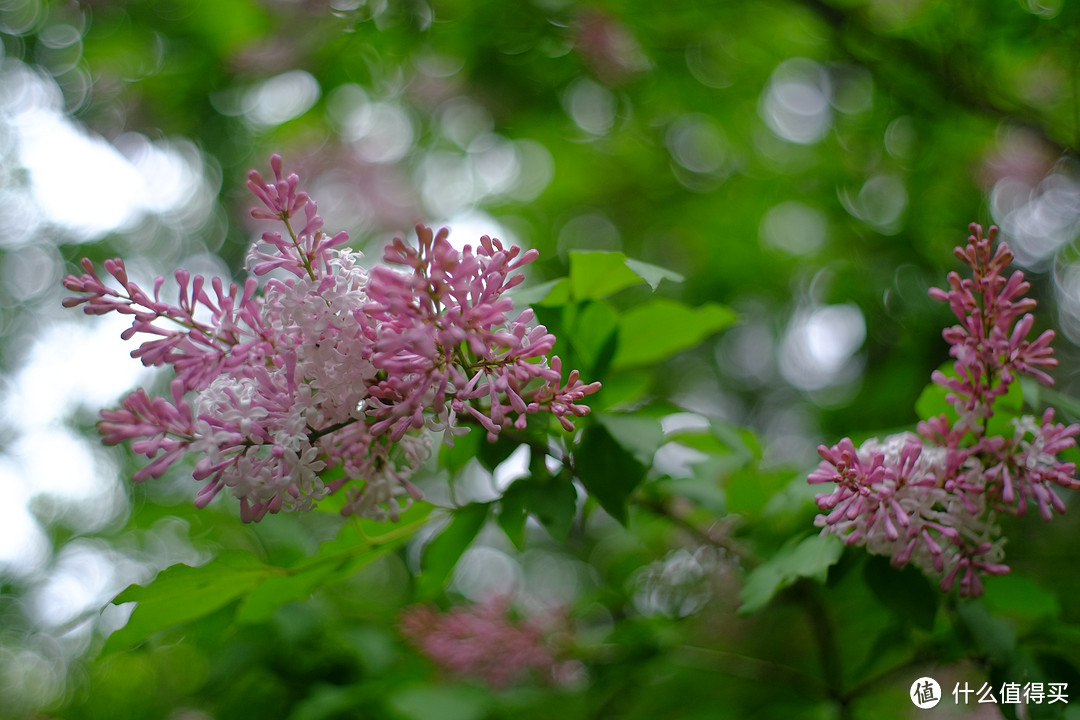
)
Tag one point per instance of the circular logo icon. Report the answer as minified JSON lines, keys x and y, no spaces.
{"x":925,"y":693}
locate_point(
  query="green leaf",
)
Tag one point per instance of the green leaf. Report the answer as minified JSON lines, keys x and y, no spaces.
{"x":622,"y":390}
{"x":1019,"y":596}
{"x":1039,"y":396}
{"x":592,"y":329}
{"x":607,"y":470}
{"x":1054,"y":666}
{"x":598,"y":274}
{"x":641,"y":435}
{"x":182,"y":593}
{"x":493,"y":454}
{"x":810,"y":558}
{"x":749,"y":491}
{"x":326,"y":702}
{"x":595,"y":274}
{"x":552,"y":292}
{"x":1006,"y":408}
{"x":993,"y":636}
{"x":442,"y":553}
{"x":932,"y":402}
{"x":512,"y":516}
{"x":377,"y":532}
{"x":553,"y":503}
{"x":276,"y":591}
{"x":703,"y":491}
{"x":727,"y":450}
{"x":465,"y":449}
{"x":653,"y":274}
{"x":660,"y":328}
{"x":905,"y":592}
{"x":337,"y":560}
{"x":440,"y":702}
{"x":1012,"y":401}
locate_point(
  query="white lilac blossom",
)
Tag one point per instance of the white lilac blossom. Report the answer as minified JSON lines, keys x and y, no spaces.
{"x":330,"y":366}
{"x":931,"y":499}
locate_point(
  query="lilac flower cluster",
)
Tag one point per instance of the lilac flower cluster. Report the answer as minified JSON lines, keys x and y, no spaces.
{"x":484,"y":642}
{"x":330,"y":366}
{"x":930,"y":498}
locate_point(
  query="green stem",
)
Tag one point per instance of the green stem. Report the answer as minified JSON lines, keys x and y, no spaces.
{"x":821,"y":625}
{"x":296,"y":244}
{"x":314,"y":434}
{"x":750,"y":668}
{"x":715,"y":533}
{"x":402,"y":532}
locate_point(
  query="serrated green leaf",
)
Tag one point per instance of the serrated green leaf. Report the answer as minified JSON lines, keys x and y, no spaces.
{"x":658,"y":329}
{"x":810,"y":558}
{"x":442,"y":553}
{"x":607,"y":470}
{"x":182,"y":593}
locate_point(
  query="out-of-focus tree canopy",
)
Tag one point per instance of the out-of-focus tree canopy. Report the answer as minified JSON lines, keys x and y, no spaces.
{"x":809,"y":164}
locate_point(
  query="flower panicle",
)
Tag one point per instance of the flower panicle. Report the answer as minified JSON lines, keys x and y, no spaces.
{"x":329,"y":365}
{"x":990,"y":345}
{"x":483,"y":641}
{"x":482,"y":362}
{"x":280,"y":197}
{"x":930,"y":499}
{"x":301,"y":252}
{"x":198,"y":337}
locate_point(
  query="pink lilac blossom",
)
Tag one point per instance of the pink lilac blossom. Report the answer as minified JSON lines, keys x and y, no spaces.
{"x":931,"y":499}
{"x":330,"y":366}
{"x":484,"y":642}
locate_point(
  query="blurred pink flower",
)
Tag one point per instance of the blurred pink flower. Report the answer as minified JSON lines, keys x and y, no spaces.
{"x":485,"y":642}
